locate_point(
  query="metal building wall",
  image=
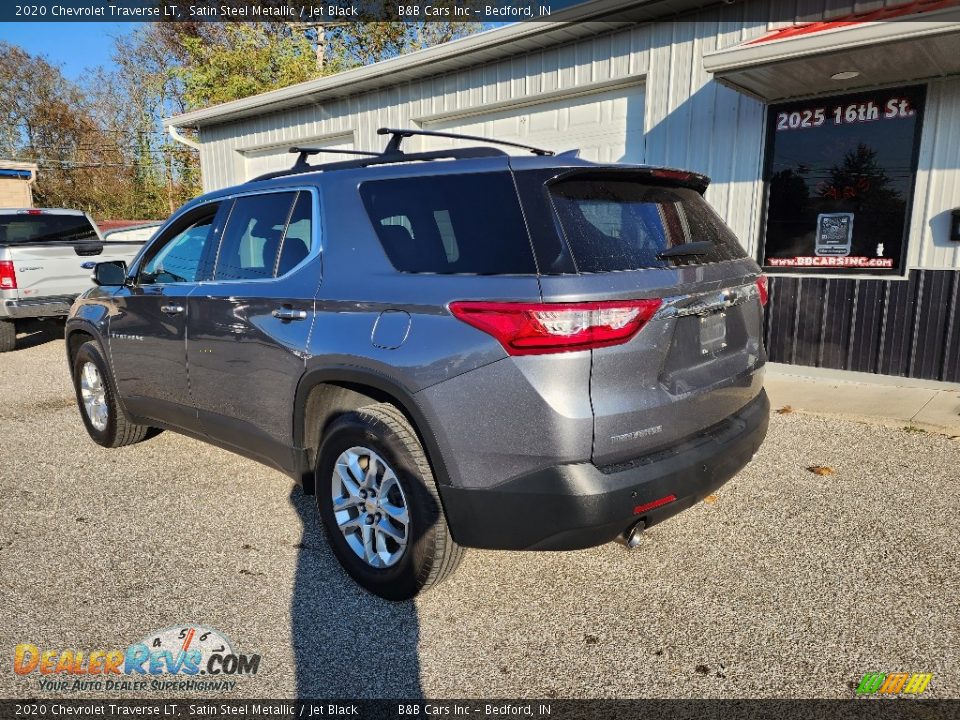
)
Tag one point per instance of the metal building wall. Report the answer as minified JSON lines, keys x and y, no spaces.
{"x":689,"y":119}
{"x":909,"y":328}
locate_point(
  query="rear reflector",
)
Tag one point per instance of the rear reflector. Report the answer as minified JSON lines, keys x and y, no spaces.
{"x":665,"y":500}
{"x":763,"y":289}
{"x":539,"y":328}
{"x":8,"y":276}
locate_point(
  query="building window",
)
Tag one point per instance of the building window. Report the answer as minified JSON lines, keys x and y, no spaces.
{"x":840,"y":173}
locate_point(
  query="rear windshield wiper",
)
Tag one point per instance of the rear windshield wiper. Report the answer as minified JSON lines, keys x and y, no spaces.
{"x":694,"y":248}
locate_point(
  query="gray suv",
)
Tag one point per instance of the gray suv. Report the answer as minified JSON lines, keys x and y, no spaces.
{"x":449,"y":349}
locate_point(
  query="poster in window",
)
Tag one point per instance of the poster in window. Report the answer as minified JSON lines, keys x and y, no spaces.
{"x":840,"y":174}
{"x":834,"y":234}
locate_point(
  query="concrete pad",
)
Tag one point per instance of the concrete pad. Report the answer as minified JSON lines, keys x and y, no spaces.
{"x":894,"y":401}
{"x":942,"y":410}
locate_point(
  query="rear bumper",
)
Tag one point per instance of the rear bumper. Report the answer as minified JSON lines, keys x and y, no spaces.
{"x":57,"y":306}
{"x":569,"y":507}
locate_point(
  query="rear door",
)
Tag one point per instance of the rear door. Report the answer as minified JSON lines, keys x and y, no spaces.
{"x":696,"y":362}
{"x":49,"y":250}
{"x":249,"y":323}
{"x":148,"y":327}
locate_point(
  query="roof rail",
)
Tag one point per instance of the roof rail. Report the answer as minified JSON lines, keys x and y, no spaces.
{"x":393,"y":154}
{"x":397,"y":137}
{"x":384,"y":159}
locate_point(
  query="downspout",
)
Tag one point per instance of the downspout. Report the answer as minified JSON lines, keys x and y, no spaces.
{"x":175,"y":134}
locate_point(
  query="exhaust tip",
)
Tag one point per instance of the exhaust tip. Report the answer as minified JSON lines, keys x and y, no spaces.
{"x":633,"y":536}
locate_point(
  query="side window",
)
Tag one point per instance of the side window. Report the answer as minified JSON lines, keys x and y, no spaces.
{"x":445,"y":224}
{"x":252,"y":237}
{"x":298,"y":238}
{"x":178,"y":258}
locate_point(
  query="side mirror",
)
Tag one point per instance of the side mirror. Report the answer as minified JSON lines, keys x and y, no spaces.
{"x":110,"y":273}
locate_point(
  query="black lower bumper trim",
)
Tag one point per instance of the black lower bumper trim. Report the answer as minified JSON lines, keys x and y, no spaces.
{"x":578,"y":506}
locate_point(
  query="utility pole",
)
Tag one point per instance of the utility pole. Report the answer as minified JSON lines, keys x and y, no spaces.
{"x":321,"y":29}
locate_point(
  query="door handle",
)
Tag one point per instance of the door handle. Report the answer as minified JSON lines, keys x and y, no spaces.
{"x":288,"y":313}
{"x":171,"y":309}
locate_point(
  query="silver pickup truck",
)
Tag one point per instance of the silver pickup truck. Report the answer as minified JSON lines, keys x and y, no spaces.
{"x":46,"y":257}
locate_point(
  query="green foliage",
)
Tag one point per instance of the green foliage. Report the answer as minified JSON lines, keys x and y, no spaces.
{"x":249,"y":59}
{"x":100,"y":144}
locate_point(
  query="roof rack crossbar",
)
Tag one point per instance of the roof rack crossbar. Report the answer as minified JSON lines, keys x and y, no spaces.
{"x":385,"y":159}
{"x":305,"y":152}
{"x":397,"y":136}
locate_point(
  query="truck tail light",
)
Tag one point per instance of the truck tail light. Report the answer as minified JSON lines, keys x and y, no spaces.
{"x":539,"y":328}
{"x":763,"y":289}
{"x":8,"y":276}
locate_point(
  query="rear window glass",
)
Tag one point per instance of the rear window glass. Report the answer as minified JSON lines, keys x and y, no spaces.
{"x":450,"y":224}
{"x":45,"y":228}
{"x":620,"y":224}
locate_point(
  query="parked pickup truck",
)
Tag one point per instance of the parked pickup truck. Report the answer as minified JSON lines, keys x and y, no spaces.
{"x":46,"y":257}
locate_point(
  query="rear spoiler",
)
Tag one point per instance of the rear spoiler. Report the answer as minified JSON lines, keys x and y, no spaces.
{"x":654,"y":175}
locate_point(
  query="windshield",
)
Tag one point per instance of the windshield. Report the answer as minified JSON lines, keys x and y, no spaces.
{"x":45,"y":228}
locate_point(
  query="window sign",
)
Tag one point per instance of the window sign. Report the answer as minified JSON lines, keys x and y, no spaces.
{"x":840,"y":173}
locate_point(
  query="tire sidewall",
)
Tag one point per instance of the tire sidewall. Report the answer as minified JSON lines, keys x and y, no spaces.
{"x":400,"y":581}
{"x":90,"y":352}
{"x":8,"y":335}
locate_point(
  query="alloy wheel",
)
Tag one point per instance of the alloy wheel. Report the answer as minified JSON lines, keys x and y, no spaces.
{"x":370,"y":507}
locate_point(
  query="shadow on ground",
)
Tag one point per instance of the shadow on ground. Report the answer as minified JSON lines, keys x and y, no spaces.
{"x":347,"y":643}
{"x":31,"y":333}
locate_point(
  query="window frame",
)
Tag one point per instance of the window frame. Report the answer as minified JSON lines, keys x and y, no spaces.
{"x":899,"y":272}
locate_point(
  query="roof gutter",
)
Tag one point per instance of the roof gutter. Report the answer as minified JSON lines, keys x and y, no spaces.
{"x":174,"y":132}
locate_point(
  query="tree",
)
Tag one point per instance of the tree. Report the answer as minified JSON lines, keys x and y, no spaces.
{"x":246,"y":59}
{"x":100,"y":144}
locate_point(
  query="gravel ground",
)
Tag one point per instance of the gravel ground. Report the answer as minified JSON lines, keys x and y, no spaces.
{"x":785,"y":584}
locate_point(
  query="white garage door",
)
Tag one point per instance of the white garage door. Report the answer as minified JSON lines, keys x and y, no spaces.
{"x":606,"y":127}
{"x":278,"y":157}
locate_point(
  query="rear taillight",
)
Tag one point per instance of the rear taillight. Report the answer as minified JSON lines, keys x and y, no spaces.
{"x":762,"y":289}
{"x":538,"y":328}
{"x":8,"y":276}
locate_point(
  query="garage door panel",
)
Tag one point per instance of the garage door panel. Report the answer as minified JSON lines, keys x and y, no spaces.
{"x":606,"y":127}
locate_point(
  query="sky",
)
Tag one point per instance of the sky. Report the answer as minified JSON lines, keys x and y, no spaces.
{"x":74,"y":46}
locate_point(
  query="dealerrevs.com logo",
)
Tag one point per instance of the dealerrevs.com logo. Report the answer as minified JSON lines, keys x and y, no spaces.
{"x":185,"y":657}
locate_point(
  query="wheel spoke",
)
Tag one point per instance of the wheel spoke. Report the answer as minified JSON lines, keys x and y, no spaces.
{"x":348,"y":526}
{"x":353,"y":462}
{"x":395,"y":512}
{"x":370,"y":477}
{"x":370,"y":552}
{"x":386,"y":528}
{"x":348,"y":482}
{"x":344,"y":503}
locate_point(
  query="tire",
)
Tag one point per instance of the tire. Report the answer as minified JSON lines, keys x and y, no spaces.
{"x":111,"y":428}
{"x":8,"y":335}
{"x":428,"y":555}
